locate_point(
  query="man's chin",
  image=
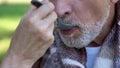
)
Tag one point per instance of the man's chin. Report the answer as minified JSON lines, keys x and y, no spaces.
{"x":74,"y":42}
{"x":76,"y":46}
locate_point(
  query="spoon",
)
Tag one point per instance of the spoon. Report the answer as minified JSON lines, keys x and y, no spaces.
{"x":36,"y":3}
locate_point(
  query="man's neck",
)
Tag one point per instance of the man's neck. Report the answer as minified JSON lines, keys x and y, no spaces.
{"x":94,"y":44}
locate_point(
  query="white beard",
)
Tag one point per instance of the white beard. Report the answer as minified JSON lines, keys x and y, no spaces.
{"x":88,"y":34}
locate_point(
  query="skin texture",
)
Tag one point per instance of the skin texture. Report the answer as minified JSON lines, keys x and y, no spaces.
{"x":34,"y":34}
{"x":89,"y":16}
{"x":32,"y":38}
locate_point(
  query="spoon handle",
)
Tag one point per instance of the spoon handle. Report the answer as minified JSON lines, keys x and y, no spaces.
{"x":36,"y":3}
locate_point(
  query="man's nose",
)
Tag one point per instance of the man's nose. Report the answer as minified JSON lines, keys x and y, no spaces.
{"x":63,"y":9}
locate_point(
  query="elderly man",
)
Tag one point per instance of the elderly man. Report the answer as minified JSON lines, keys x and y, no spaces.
{"x":93,"y":41}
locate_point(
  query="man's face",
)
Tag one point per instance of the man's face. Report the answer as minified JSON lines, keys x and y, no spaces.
{"x":88,"y":16}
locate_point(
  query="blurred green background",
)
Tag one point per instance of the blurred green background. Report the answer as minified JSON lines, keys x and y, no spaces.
{"x":11,"y":12}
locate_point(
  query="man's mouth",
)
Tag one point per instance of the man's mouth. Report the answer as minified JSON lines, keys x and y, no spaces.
{"x":66,"y":29}
{"x":69,"y":31}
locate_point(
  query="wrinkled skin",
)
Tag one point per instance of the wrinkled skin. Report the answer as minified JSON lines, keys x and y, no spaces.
{"x":34,"y":34}
{"x":89,"y":16}
{"x":32,"y":38}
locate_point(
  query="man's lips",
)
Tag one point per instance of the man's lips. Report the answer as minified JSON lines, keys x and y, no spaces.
{"x":70,"y":31}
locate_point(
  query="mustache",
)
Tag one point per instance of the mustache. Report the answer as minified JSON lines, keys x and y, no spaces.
{"x":64,"y":24}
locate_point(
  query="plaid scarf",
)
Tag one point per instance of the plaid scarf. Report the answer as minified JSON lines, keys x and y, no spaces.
{"x":61,"y":56}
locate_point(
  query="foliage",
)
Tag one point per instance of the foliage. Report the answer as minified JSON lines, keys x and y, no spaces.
{"x":10,"y":15}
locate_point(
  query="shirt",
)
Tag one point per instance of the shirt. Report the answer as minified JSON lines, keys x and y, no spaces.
{"x":92,"y":53}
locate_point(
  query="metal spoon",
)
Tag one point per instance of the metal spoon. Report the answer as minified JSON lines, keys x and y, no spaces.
{"x":36,"y":3}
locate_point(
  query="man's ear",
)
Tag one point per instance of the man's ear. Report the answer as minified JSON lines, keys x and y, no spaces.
{"x":114,"y":1}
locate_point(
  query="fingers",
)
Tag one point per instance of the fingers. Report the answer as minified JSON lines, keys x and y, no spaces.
{"x":44,"y":10}
{"x":32,"y":8}
{"x":46,"y":27}
{"x":51,"y":17}
{"x":50,"y":23}
{"x":47,"y":22}
{"x":50,"y":20}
